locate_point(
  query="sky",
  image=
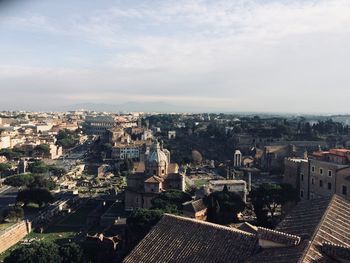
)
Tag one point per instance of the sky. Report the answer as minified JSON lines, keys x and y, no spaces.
{"x":214,"y":55}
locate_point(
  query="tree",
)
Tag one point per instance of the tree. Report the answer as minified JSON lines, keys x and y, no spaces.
{"x":39,"y":181}
{"x":4,"y":167}
{"x":224,"y":206}
{"x":13,"y":214}
{"x":71,"y":252}
{"x":43,"y":252}
{"x":57,"y":171}
{"x":19,"y":180}
{"x":67,"y":139}
{"x":38,"y":167}
{"x":196,"y":157}
{"x":142,"y":220}
{"x":268,"y":197}
{"x":11,"y":153}
{"x":42,"y":150}
{"x":170,"y":201}
{"x":37,"y":196}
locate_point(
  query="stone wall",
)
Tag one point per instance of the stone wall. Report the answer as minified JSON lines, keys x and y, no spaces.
{"x":13,"y":235}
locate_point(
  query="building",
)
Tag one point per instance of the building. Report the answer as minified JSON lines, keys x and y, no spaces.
{"x":171,"y":135}
{"x":237,"y":159}
{"x":98,"y":125}
{"x":195,"y":209}
{"x":237,"y":186}
{"x":324,"y":173}
{"x":126,"y":151}
{"x":151,"y":177}
{"x":314,"y":231}
{"x":5,"y":142}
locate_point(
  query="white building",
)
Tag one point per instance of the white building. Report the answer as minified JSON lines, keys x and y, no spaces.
{"x":236,"y":186}
{"x":125,"y":151}
{"x":5,"y":142}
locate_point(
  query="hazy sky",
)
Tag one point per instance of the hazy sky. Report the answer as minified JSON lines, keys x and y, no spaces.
{"x":262,"y":55}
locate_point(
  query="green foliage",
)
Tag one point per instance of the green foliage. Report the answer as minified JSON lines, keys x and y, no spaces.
{"x":57,"y":171}
{"x":224,"y":206}
{"x":142,"y":220}
{"x":268,"y":197}
{"x":170,"y":201}
{"x":67,"y":139}
{"x":71,"y":252}
{"x":41,"y":181}
{"x":4,"y":167}
{"x":19,"y":180}
{"x":38,"y":167}
{"x":13,"y":214}
{"x":46,"y":252}
{"x":42,"y":149}
{"x":127,"y":165}
{"x":11,"y":153}
{"x":34,"y":253}
{"x":30,"y":180}
{"x":39,"y":196}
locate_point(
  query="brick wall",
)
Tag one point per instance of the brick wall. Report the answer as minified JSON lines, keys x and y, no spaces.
{"x":13,"y":235}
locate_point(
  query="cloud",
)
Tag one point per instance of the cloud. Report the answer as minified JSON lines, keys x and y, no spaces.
{"x":239,"y":55}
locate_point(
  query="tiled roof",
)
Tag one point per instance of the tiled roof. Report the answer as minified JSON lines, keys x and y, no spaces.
{"x":246,"y":227}
{"x":194,"y":206}
{"x":178,"y":239}
{"x":318,"y":222}
{"x":277,"y":237}
{"x":333,"y":228}
{"x":154,"y":180}
{"x":336,"y":251}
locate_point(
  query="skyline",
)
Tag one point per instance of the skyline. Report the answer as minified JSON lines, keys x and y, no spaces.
{"x":253,"y":56}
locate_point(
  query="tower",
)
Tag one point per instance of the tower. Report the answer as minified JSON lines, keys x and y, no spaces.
{"x":237,"y":158}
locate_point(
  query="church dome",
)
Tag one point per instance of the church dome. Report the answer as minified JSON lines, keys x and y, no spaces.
{"x":157,"y":155}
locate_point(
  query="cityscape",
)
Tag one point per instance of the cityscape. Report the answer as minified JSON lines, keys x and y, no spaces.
{"x":174,"y":131}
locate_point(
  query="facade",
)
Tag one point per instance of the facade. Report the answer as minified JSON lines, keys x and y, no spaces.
{"x":171,"y":135}
{"x":322,"y":174}
{"x":98,"y":125}
{"x":237,"y":159}
{"x":151,"y":177}
{"x":5,"y":142}
{"x":126,"y":151}
{"x":237,"y":186}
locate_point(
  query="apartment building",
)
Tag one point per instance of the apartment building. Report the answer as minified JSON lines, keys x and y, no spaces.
{"x":323,"y":174}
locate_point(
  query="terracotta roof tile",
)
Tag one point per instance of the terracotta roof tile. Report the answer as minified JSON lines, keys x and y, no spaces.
{"x":178,"y":239}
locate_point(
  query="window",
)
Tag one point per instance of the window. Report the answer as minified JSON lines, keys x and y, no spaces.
{"x":302,"y":176}
{"x":329,"y":173}
{"x":321,"y":171}
{"x":329,"y":186}
{"x":312,"y":180}
{"x":312,"y":168}
{"x":321,"y":183}
{"x":344,"y":190}
{"x":301,"y":193}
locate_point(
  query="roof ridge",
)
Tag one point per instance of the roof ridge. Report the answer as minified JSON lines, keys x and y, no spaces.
{"x":278,"y":232}
{"x":208,"y":224}
{"x":335,"y":245}
{"x":277,"y":236}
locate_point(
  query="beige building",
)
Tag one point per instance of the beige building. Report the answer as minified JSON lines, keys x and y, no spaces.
{"x":151,"y":177}
{"x":322,"y":174}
